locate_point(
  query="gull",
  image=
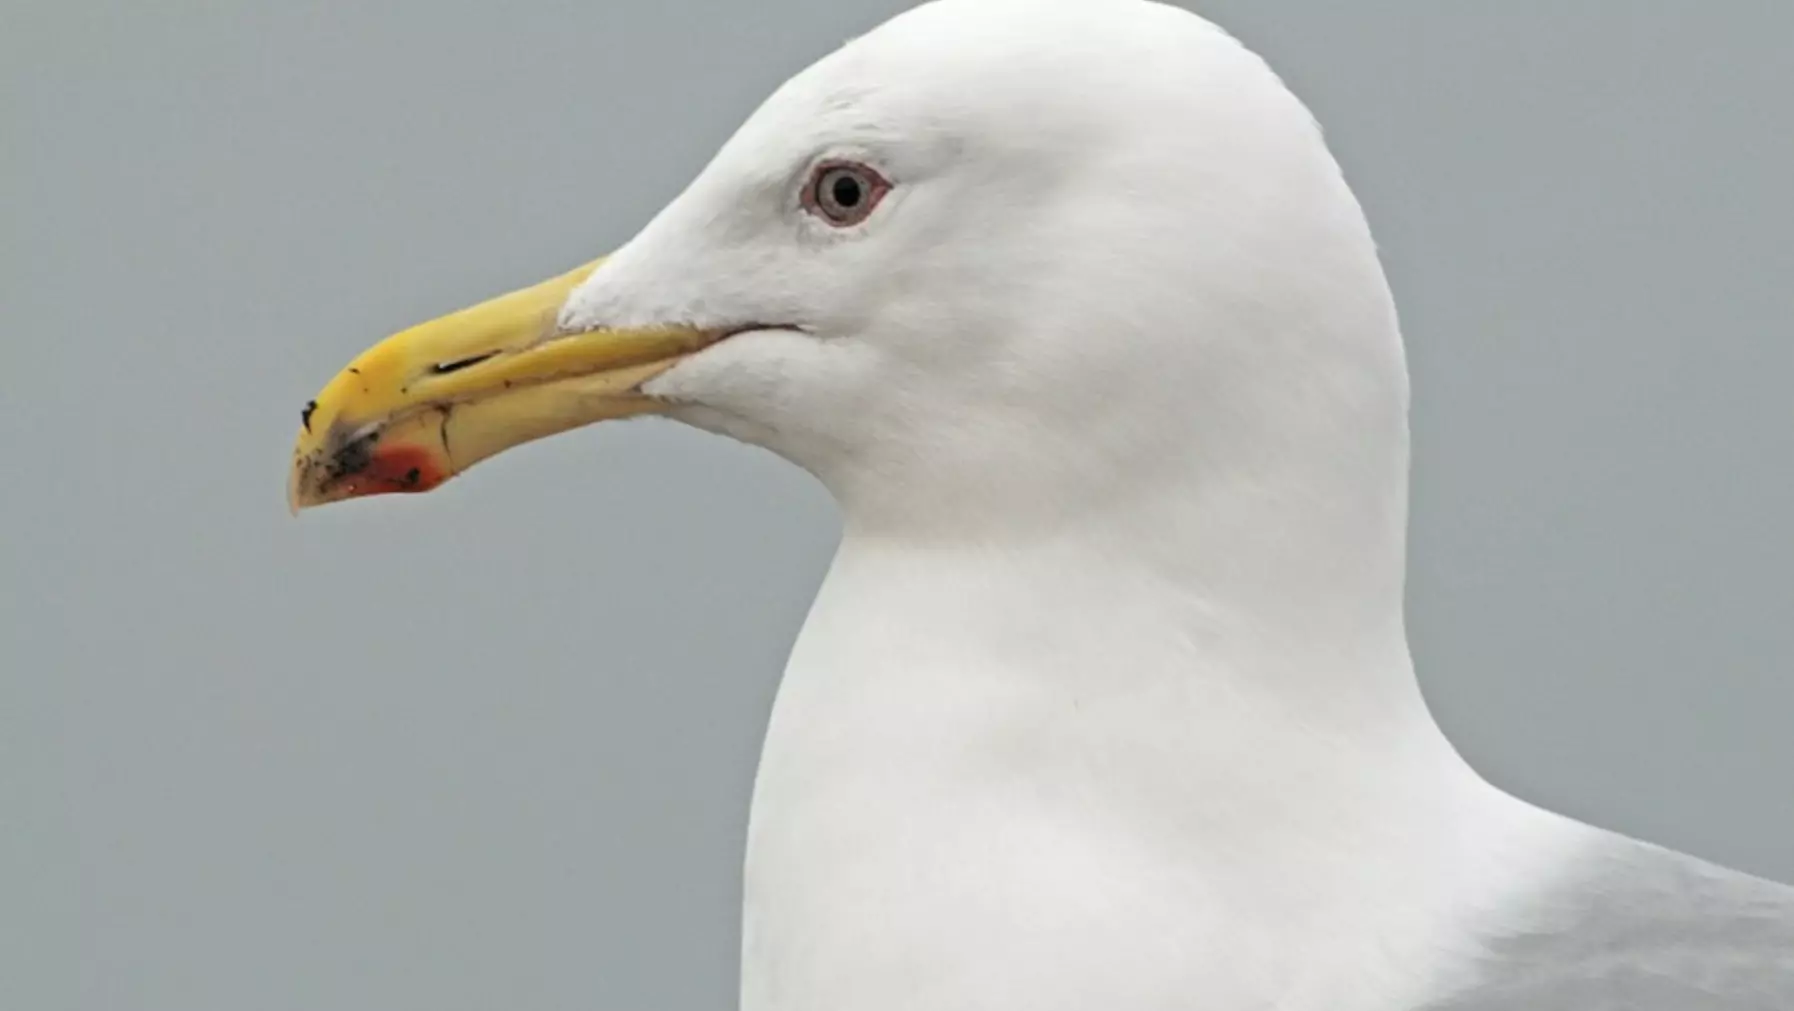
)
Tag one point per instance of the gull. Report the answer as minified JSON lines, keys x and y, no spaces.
{"x":1106,"y":701}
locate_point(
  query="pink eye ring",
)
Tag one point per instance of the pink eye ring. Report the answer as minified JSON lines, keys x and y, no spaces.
{"x":844,"y":193}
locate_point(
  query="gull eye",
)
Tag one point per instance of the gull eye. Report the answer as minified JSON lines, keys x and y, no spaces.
{"x":844,"y":193}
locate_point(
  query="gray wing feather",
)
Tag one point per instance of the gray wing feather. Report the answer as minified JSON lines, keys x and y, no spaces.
{"x":1633,"y":927}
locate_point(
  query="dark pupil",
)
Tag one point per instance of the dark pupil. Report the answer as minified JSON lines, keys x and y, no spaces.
{"x":846,"y":191}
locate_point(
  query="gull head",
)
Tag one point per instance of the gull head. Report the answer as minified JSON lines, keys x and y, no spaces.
{"x":996,"y":260}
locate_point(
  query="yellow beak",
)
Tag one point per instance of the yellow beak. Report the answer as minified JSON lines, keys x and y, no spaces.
{"x":427,"y":403}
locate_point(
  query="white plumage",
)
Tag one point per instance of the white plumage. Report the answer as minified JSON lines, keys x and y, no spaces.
{"x":1106,"y":702}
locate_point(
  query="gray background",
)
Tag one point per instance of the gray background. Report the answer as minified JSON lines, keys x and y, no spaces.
{"x":493,"y":748}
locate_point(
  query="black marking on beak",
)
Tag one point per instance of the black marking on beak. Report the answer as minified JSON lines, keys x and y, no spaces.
{"x":352,"y":457}
{"x":444,"y":368}
{"x":305,"y":415}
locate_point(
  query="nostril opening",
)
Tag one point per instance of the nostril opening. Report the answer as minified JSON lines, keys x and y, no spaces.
{"x":443,"y":368}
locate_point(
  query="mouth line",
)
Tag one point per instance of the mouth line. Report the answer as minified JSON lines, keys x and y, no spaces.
{"x":709,"y":338}
{"x":724,"y":333}
{"x":448,"y":403}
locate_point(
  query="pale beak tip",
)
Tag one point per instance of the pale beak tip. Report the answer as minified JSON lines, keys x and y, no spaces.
{"x":295,"y":499}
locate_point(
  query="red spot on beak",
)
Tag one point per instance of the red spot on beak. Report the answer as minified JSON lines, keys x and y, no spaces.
{"x":394,"y":469}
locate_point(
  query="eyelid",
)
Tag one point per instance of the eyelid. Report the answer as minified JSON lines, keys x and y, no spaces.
{"x":881,"y":186}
